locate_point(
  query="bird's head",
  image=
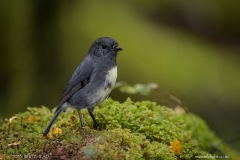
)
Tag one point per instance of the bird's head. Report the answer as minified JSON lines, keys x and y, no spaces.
{"x":104,"y":47}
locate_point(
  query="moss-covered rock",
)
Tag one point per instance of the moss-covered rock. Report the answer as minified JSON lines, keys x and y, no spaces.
{"x":129,"y":130}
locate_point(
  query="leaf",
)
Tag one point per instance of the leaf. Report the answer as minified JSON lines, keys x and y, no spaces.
{"x":176,"y":147}
{"x":14,"y":144}
{"x":11,"y":119}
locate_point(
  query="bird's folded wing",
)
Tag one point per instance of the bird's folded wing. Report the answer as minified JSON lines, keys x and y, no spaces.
{"x":79,"y":79}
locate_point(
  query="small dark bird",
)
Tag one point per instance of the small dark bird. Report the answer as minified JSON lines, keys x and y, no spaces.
{"x":92,"y":81}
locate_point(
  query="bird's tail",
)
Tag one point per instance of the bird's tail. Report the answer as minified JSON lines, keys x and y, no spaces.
{"x":56,"y":114}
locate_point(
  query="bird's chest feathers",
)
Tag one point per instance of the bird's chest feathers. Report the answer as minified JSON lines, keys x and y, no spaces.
{"x":110,"y":78}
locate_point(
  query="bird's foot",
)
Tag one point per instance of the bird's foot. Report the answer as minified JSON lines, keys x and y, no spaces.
{"x":83,"y":130}
{"x":96,"y":127}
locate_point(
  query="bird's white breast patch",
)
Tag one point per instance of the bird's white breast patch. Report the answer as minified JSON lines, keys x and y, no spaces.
{"x":112,"y":75}
{"x":110,"y":80}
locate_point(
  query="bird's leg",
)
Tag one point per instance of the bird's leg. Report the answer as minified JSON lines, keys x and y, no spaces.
{"x":81,"y":120}
{"x":95,"y":124}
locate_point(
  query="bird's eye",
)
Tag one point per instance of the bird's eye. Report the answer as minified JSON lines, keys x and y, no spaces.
{"x":103,"y":46}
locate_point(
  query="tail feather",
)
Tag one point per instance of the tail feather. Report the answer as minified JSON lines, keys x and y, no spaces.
{"x":56,"y":114}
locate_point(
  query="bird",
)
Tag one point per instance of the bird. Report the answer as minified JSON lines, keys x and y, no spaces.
{"x":92,"y":81}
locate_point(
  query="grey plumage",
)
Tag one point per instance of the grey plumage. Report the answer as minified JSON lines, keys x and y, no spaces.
{"x":92,"y":81}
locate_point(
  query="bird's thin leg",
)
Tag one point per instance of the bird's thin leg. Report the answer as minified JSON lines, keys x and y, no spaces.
{"x":95,"y":124}
{"x":81,"y":120}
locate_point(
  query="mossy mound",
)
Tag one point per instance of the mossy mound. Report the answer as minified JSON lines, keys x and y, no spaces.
{"x":129,"y":130}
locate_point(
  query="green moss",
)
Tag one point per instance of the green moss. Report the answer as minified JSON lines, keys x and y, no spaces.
{"x":130,"y":130}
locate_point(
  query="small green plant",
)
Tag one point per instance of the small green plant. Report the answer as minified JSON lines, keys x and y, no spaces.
{"x":129,"y":130}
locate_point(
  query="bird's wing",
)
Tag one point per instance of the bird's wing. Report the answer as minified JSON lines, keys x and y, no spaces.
{"x":79,"y":79}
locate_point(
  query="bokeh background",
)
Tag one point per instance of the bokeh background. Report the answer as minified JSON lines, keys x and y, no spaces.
{"x":189,"y":48}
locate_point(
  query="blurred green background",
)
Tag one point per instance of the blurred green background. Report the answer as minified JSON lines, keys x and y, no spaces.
{"x":189,"y":48}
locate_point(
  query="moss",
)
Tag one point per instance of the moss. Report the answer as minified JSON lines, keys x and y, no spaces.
{"x":129,"y":130}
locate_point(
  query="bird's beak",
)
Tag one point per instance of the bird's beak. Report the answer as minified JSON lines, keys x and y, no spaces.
{"x":118,"y":48}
